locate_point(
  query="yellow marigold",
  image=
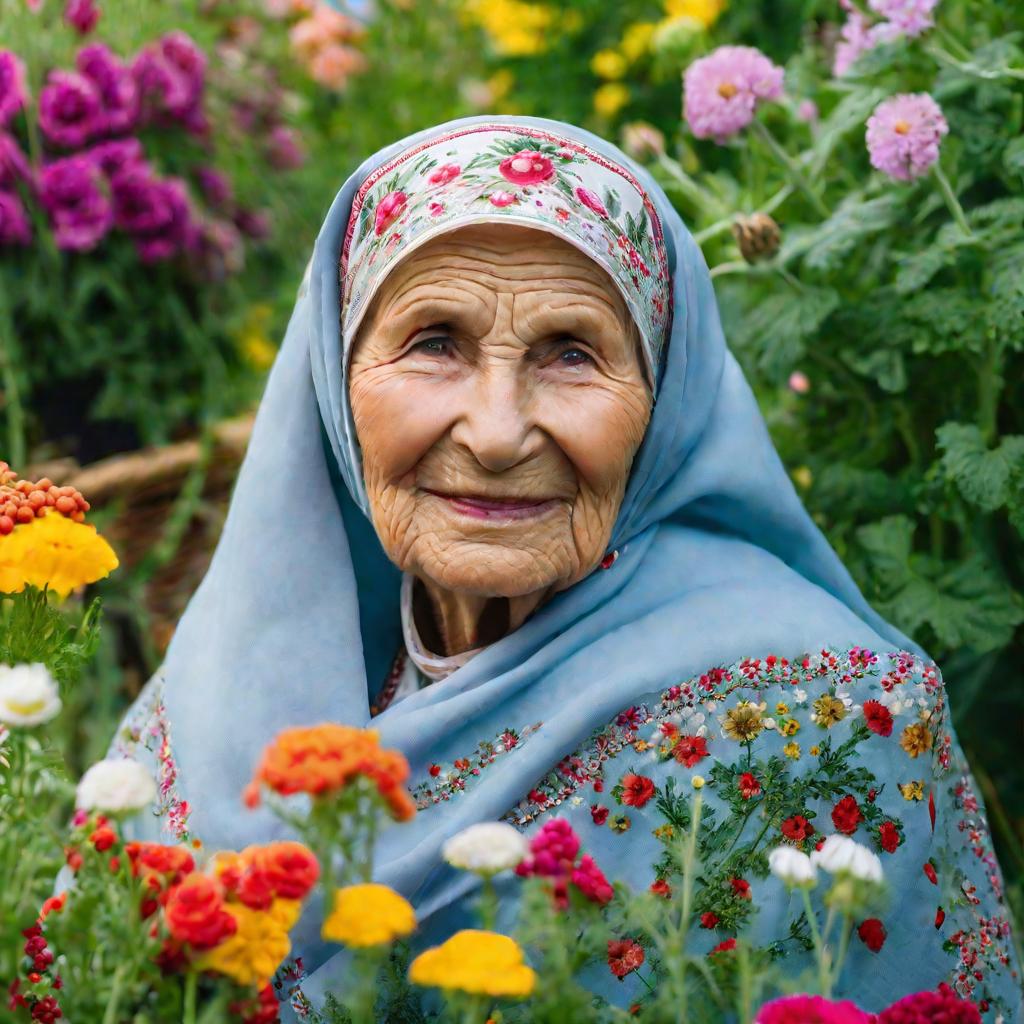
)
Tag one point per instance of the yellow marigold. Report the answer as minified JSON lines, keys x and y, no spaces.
{"x":478,"y":962}
{"x":368,"y":915}
{"x":916,"y":739}
{"x":815,"y":750}
{"x":743,"y":722}
{"x":610,"y":98}
{"x":789,"y":727}
{"x":913,"y":790}
{"x":782,"y":708}
{"x":636,"y":40}
{"x":828,"y":711}
{"x":53,"y":551}
{"x":608,"y":64}
{"x":254,"y":952}
{"x":705,"y":11}
{"x":792,"y":750}
{"x":517,"y":29}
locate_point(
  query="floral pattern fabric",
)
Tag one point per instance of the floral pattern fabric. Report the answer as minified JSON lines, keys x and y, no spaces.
{"x":518,"y":174}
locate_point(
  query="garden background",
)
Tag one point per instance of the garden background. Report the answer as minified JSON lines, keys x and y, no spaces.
{"x":881,"y":322}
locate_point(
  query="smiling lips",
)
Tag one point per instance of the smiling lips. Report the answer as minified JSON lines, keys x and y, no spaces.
{"x":496,"y":508}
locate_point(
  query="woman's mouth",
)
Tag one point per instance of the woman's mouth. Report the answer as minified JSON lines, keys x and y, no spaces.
{"x":479,"y":507}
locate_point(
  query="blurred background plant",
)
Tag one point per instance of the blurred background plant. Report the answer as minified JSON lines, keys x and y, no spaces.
{"x":880,"y":320}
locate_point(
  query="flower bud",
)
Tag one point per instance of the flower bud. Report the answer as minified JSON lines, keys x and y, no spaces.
{"x":793,"y":868}
{"x":758,"y":236}
{"x":642,"y":141}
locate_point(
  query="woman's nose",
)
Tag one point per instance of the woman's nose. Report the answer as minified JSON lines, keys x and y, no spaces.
{"x":497,"y":424}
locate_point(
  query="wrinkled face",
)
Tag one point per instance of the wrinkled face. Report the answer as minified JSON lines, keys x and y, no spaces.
{"x":499,"y":400}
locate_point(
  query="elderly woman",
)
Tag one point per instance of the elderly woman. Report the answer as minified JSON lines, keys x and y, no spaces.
{"x":510,"y":500}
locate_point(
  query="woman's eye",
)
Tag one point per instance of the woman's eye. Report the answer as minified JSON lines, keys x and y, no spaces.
{"x":574,"y":357}
{"x":436,"y":346}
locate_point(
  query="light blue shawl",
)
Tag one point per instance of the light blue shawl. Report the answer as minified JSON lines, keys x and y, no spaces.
{"x":297,"y":619}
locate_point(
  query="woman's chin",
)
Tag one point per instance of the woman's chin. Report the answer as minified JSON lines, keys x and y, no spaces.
{"x":485,"y":568}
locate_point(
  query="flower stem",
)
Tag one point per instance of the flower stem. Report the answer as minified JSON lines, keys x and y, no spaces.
{"x":191,"y":984}
{"x":819,"y":948}
{"x":792,"y":168}
{"x":488,"y":904}
{"x":844,"y":942}
{"x":695,"y":193}
{"x":952,"y":202}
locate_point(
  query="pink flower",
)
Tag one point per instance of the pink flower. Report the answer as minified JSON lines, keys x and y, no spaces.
{"x":215,"y":186}
{"x":527,"y":167}
{"x":284,"y":149}
{"x":807,"y":111}
{"x":81,"y":15}
{"x":624,"y":956}
{"x":809,"y":1010}
{"x":335,"y":64}
{"x":925,"y":1007}
{"x":443,"y":174}
{"x":435,"y":209}
{"x":69,"y":109}
{"x":590,"y":880}
{"x":799,"y":383}
{"x":170,"y":77}
{"x":13,"y":93}
{"x":903,"y":135}
{"x":500,"y":198}
{"x":116,"y":155}
{"x":14,"y":165}
{"x":14,"y":225}
{"x":78,"y":207}
{"x":856,"y":37}
{"x":389,"y":209}
{"x":115,"y":83}
{"x":552,"y":850}
{"x":722,"y":91}
{"x":154,"y":212}
{"x":907,"y":17}
{"x":590,"y":200}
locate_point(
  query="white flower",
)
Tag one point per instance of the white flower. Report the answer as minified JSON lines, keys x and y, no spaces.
{"x":487,"y":848}
{"x":840,"y":854}
{"x":799,"y":696}
{"x":28,"y":695}
{"x":119,"y":784}
{"x":794,"y":868}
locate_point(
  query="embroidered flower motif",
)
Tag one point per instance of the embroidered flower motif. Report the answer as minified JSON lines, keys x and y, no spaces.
{"x":709,"y":919}
{"x":389,"y":209}
{"x":877,"y":717}
{"x":591,"y":201}
{"x":911,"y":790}
{"x":620,"y":823}
{"x":624,"y":956}
{"x":743,"y":723}
{"x":889,"y":837}
{"x":527,"y":167}
{"x":502,"y":198}
{"x":797,"y":828}
{"x":792,"y":750}
{"x":846,"y":815}
{"x":444,"y":174}
{"x":689,"y":750}
{"x":916,"y":739}
{"x":828,"y":711}
{"x":637,"y":790}
{"x":740,"y":888}
{"x":748,"y":786}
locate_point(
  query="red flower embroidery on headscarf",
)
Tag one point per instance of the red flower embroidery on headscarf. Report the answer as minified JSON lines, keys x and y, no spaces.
{"x":877,"y":717}
{"x":636,"y":790}
{"x":624,"y":956}
{"x":797,"y":828}
{"x":872,"y":933}
{"x":846,"y":815}
{"x":690,"y":749}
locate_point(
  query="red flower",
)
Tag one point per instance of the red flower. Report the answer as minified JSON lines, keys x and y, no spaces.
{"x":389,"y":209}
{"x":690,"y":749}
{"x":924,"y":1007}
{"x":443,"y":174}
{"x":888,"y":836}
{"x":435,"y":770}
{"x":749,"y":786}
{"x":709,"y":919}
{"x":289,"y":868}
{"x":103,"y":838}
{"x":931,"y":807}
{"x":877,"y":717}
{"x":624,"y":956}
{"x":527,"y":167}
{"x":846,"y":815}
{"x":723,"y":947}
{"x":636,"y":790}
{"x":940,"y":916}
{"x":591,"y":201}
{"x":872,"y":933}
{"x":590,"y":880}
{"x":929,"y":870}
{"x":797,"y":828}
{"x":740,"y":888}
{"x":661,"y":888}
{"x":173,"y":862}
{"x":502,"y":198}
{"x":195,"y":912}
{"x":599,"y":814}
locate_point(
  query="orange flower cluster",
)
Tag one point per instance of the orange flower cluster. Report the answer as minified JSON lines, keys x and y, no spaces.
{"x":322,"y":41}
{"x":21,"y":501}
{"x":161,"y":867}
{"x":322,"y":760}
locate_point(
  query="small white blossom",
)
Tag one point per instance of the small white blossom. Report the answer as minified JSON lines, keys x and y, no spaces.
{"x":799,"y":696}
{"x":486,"y":848}
{"x":768,"y":723}
{"x":115,"y":785}
{"x":28,"y":695}
{"x":840,"y":854}
{"x":794,"y":868}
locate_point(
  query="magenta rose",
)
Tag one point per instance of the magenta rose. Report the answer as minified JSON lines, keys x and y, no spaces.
{"x":14,"y":226}
{"x":170,"y":76}
{"x":13,"y":163}
{"x":154,"y":212}
{"x":116,"y":155}
{"x":216,"y":188}
{"x":69,"y":109}
{"x":443,"y":174}
{"x":81,"y":15}
{"x":72,"y":194}
{"x":13,"y":93}
{"x":284,"y":149}
{"x":590,"y":200}
{"x":253,"y":223}
{"x":500,"y":198}
{"x":389,"y":209}
{"x":810,"y":1010}
{"x":528,"y":167}
{"x":119,"y":95}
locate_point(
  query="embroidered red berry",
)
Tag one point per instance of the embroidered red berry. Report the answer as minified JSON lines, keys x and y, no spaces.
{"x":930,"y":874}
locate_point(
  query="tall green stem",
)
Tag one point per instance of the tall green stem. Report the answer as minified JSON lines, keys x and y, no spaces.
{"x":951,"y":201}
{"x":191,"y":985}
{"x":819,"y":946}
{"x":792,"y":168}
{"x":113,"y":1003}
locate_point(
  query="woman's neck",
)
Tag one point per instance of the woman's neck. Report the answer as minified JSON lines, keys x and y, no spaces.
{"x":450,"y":623}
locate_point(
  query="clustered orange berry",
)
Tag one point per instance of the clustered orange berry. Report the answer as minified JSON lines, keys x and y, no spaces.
{"x":323,"y":759}
{"x":21,"y":501}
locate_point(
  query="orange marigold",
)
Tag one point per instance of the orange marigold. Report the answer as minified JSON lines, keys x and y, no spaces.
{"x":195,"y":912}
{"x":322,"y":760}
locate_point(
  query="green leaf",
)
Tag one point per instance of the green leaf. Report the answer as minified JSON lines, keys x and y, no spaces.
{"x":982,"y":475}
{"x":854,"y":220}
{"x":883,"y":365}
{"x":1013,"y":157}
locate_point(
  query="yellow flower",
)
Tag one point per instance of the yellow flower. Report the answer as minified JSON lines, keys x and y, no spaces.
{"x":803,"y":477}
{"x":636,"y":40}
{"x":781,"y":708}
{"x":610,"y":98}
{"x":255,"y":951}
{"x":916,"y":739}
{"x":815,"y":750}
{"x":828,"y":711}
{"x":53,"y":551}
{"x":667,"y":831}
{"x":478,"y":962}
{"x":517,"y":29}
{"x":792,"y":749}
{"x":743,"y":722}
{"x":913,"y":790}
{"x":704,"y":11}
{"x":253,"y":341}
{"x":697,"y":782}
{"x":640,"y":746}
{"x":368,"y":915}
{"x":608,"y":64}
{"x":789,"y":727}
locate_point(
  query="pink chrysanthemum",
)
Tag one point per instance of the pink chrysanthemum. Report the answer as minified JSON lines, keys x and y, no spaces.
{"x":856,"y":37}
{"x":925,"y":1007}
{"x":907,"y":17}
{"x":12,"y":85}
{"x":903,"y":135}
{"x":809,"y":1010}
{"x":14,"y":225}
{"x":722,"y":91}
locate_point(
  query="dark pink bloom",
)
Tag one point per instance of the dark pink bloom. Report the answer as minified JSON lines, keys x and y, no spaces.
{"x":253,"y":223}
{"x":81,"y":15}
{"x":154,"y":212}
{"x":170,"y":76}
{"x":284,"y":149}
{"x":926,"y":1007}
{"x":389,"y":209}
{"x":119,"y":95}
{"x":72,"y":194}
{"x":220,"y":249}
{"x":809,"y":1010}
{"x":527,"y":167}
{"x":69,"y":109}
{"x":443,"y":174}
{"x":590,"y":200}
{"x":215,"y":186}
{"x":590,"y":880}
{"x":903,"y":135}
{"x":13,"y":163}
{"x":552,"y":850}
{"x":502,"y":198}
{"x":116,"y":155}
{"x":13,"y":93}
{"x":14,"y":226}
{"x":872,"y":933}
